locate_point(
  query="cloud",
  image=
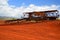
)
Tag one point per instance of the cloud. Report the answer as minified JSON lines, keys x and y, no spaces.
{"x":10,"y":10}
{"x":42,"y":8}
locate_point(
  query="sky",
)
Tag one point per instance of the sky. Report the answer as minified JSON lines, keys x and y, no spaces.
{"x":16,"y":8}
{"x":35,"y":2}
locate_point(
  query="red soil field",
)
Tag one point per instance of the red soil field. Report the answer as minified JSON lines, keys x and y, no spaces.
{"x":46,"y":30}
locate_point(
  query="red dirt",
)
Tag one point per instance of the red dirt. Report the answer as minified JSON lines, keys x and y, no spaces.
{"x":47,"y":30}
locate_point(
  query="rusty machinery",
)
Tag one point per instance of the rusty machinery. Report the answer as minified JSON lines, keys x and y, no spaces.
{"x":37,"y":16}
{"x":43,"y":15}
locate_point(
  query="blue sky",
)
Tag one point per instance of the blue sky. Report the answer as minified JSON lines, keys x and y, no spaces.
{"x":16,"y":8}
{"x":18,"y":3}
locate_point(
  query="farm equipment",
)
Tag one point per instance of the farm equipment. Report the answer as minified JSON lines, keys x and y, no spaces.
{"x":43,"y":15}
{"x":37,"y":16}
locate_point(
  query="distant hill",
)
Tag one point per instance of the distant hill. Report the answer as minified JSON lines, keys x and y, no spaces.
{"x":6,"y":18}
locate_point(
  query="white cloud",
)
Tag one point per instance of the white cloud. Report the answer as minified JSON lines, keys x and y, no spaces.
{"x":10,"y":10}
{"x":3,"y":2}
